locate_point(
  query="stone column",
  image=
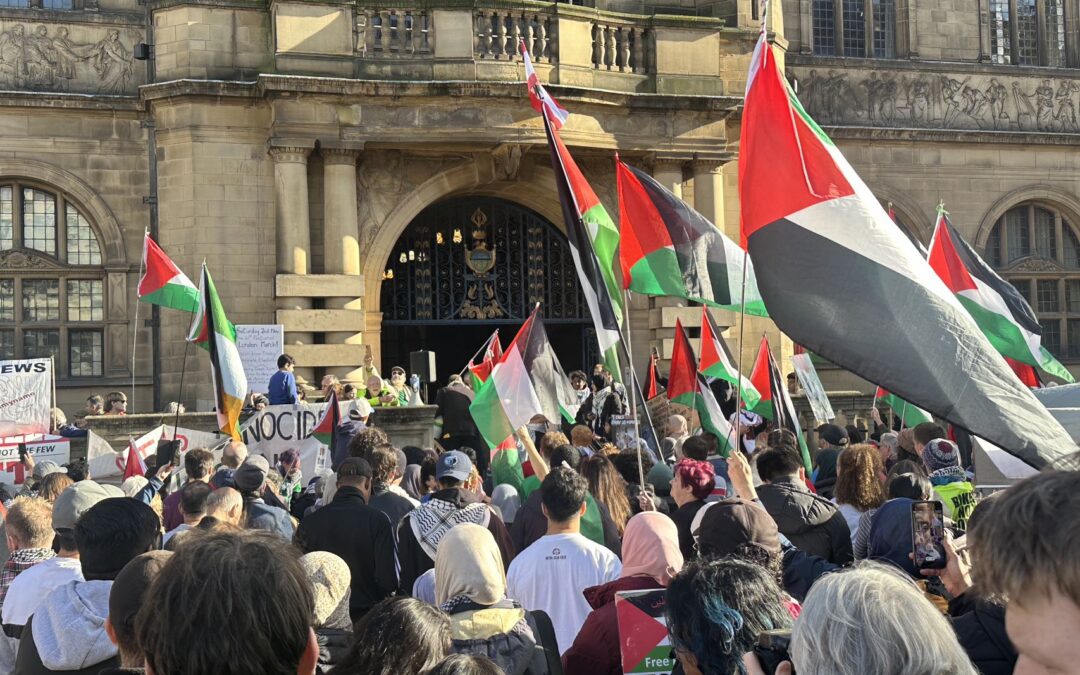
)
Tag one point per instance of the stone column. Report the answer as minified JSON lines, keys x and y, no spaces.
{"x":293,"y":228}
{"x":709,"y":191}
{"x":341,"y":236}
{"x":669,"y":172}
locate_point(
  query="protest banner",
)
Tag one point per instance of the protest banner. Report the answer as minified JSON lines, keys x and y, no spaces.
{"x":644,"y":646}
{"x":815,"y":392}
{"x":659,"y":411}
{"x":42,"y":448}
{"x":259,"y":345}
{"x":622,"y":431}
{"x":25,"y":397}
{"x":104,"y":462}
{"x":278,"y":428}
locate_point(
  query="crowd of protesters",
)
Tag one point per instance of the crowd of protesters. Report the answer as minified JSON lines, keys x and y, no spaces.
{"x":403,"y":560}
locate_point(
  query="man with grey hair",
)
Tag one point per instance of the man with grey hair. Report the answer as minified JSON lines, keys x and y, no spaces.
{"x":872,"y":619}
{"x":226,"y":505}
{"x":232,"y":456}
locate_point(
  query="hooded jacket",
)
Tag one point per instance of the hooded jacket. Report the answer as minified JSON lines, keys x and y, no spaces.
{"x":503,"y":634}
{"x":593,"y":651}
{"x":333,"y":645}
{"x":811,"y":522}
{"x":414,"y":560}
{"x":67,"y":632}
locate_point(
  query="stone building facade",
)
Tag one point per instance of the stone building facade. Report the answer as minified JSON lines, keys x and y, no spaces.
{"x":349,"y":169}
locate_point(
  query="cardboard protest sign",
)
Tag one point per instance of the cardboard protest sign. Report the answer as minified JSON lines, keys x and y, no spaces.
{"x":259,"y":347}
{"x":643,"y":637}
{"x":815,"y":392}
{"x":25,"y":397}
{"x":42,"y":448}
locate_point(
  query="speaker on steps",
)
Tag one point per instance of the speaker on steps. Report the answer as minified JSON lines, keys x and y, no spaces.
{"x":422,"y":363}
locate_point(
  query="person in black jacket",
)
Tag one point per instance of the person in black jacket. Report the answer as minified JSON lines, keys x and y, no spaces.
{"x":459,"y":429}
{"x":361,"y":535}
{"x":388,"y":468}
{"x":810,"y":521}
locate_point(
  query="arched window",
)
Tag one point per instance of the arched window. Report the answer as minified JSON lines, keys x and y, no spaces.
{"x":856,"y":28}
{"x":52,"y":284}
{"x":1027,"y":32}
{"x":1036,"y":248}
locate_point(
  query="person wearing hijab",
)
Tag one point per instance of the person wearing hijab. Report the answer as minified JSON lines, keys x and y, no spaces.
{"x":470,"y":586}
{"x":505,"y":497}
{"x":330,"y":579}
{"x":651,"y":559}
{"x":411,"y":482}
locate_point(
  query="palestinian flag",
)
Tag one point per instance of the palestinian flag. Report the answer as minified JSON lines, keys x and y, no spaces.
{"x":162,"y":282}
{"x":539,"y":99}
{"x":492,"y":353}
{"x":688,"y":388}
{"x":527,"y":381}
{"x":716,"y":361}
{"x":652,"y":384}
{"x":910,"y":415}
{"x":328,"y":423}
{"x":827,"y":258}
{"x":781,"y":410}
{"x":668,"y":248}
{"x":593,"y":240}
{"x":134,"y":464}
{"x":214,"y":333}
{"x":1001,"y":312}
{"x":1026,"y":373}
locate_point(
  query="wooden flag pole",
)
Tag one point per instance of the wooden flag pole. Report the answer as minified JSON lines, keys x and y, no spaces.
{"x":635,"y":394}
{"x":135,"y":331}
{"x":742,"y":335}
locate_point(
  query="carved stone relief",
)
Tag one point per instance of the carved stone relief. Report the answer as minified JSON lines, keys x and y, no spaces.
{"x":25,"y":260}
{"x":940,"y":101}
{"x":46,"y":58}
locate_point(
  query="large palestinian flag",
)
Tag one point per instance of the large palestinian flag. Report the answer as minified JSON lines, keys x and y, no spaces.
{"x":840,"y":278}
{"x":162,"y":282}
{"x":1003,"y":314}
{"x":668,"y":248}
{"x":716,"y":361}
{"x":688,"y":388}
{"x":212,"y":331}
{"x":593,"y":240}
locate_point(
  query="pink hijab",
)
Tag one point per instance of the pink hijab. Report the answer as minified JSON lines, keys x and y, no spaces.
{"x":650,"y":547}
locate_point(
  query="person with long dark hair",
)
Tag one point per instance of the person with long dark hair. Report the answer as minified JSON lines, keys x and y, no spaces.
{"x":399,"y":635}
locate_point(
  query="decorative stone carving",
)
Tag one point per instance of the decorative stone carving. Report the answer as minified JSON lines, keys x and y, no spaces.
{"x":1036,"y":265}
{"x":26,"y":260}
{"x":46,"y":58}
{"x":939,"y":101}
{"x":507,"y":160}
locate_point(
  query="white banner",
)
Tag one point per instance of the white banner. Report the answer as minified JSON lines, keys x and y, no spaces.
{"x":278,"y":428}
{"x":45,"y":448}
{"x":259,"y":347}
{"x":105,"y":462}
{"x":25,"y":397}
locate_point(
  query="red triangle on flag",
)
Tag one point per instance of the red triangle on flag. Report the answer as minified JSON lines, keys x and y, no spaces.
{"x":639,"y":633}
{"x":134,"y":466}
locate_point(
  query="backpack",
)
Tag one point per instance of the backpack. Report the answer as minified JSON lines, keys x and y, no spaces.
{"x":546,"y":659}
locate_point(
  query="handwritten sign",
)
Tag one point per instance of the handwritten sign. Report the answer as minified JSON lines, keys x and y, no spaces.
{"x":52,"y":448}
{"x":25,"y":397}
{"x":260,"y":345}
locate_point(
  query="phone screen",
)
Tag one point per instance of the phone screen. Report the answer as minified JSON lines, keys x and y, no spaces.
{"x":928,"y":534}
{"x":23,"y":452}
{"x":166,"y":452}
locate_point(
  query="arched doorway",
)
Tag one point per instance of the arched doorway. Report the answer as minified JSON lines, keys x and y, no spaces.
{"x":466,"y":266}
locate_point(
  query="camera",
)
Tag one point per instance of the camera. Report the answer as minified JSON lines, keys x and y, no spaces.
{"x":772,"y":649}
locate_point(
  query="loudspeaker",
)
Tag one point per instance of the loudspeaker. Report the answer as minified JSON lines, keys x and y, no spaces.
{"x":422,"y":363}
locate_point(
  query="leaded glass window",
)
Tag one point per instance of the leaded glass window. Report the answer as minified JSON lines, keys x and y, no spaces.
{"x":824,"y":27}
{"x":854,"y":28}
{"x":1000,"y":32}
{"x":39,"y":220}
{"x":86,"y":353}
{"x":7,"y":225}
{"x":1027,"y":32}
{"x":885,"y":29}
{"x":41,"y":300}
{"x":82,"y":243}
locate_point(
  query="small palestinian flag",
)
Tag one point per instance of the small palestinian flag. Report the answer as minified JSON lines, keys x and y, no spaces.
{"x":539,"y":99}
{"x":492,"y":353}
{"x":134,"y":464}
{"x":212,"y":331}
{"x":688,"y":388}
{"x":716,"y":361}
{"x":774,"y":397}
{"x":669,"y":249}
{"x":328,"y":423}
{"x":1001,"y":311}
{"x":652,"y":384}
{"x":826,"y":257}
{"x":911,"y":415}
{"x":162,"y":282}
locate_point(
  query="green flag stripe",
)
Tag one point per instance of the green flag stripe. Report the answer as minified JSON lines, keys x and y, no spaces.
{"x":487,"y":412}
{"x":658,"y":273}
{"x":174,"y":296}
{"x":605,"y":240}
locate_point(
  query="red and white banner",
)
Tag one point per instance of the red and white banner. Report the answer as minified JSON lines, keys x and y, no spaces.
{"x":25,"y":397}
{"x":42,"y":448}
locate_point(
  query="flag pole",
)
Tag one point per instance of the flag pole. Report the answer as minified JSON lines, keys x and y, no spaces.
{"x":742,"y":335}
{"x":180,"y":392}
{"x":135,"y":331}
{"x":478,"y":352}
{"x":637,"y":392}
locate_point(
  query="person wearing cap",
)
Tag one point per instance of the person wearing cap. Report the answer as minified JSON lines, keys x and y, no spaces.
{"x":404,"y":392}
{"x":951,"y":485}
{"x":388,"y":468}
{"x":458,"y":428}
{"x":126,"y":598}
{"x":31,"y":586}
{"x":355,"y":421}
{"x":831,"y":440}
{"x":421,"y":530}
{"x":250,"y":482}
{"x":359,"y":534}
{"x":330,"y":579}
{"x":67,"y":631}
{"x":810,"y":521}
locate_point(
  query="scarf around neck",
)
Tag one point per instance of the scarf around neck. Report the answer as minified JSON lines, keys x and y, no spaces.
{"x":436,"y":517}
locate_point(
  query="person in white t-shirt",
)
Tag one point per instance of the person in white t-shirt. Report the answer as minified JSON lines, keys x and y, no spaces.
{"x":551,"y":574}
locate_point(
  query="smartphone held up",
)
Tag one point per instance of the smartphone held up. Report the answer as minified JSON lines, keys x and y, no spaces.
{"x":928,"y":535}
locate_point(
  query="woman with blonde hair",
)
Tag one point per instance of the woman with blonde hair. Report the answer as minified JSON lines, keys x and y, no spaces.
{"x":860,"y":478}
{"x":608,"y":488}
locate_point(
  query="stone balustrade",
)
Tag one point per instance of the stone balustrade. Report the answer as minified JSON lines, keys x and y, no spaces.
{"x":394,"y":33}
{"x":623,"y":46}
{"x":498,"y":32}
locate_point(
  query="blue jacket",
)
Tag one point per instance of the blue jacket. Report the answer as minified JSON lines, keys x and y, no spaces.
{"x":262,"y":516}
{"x":282,"y":388}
